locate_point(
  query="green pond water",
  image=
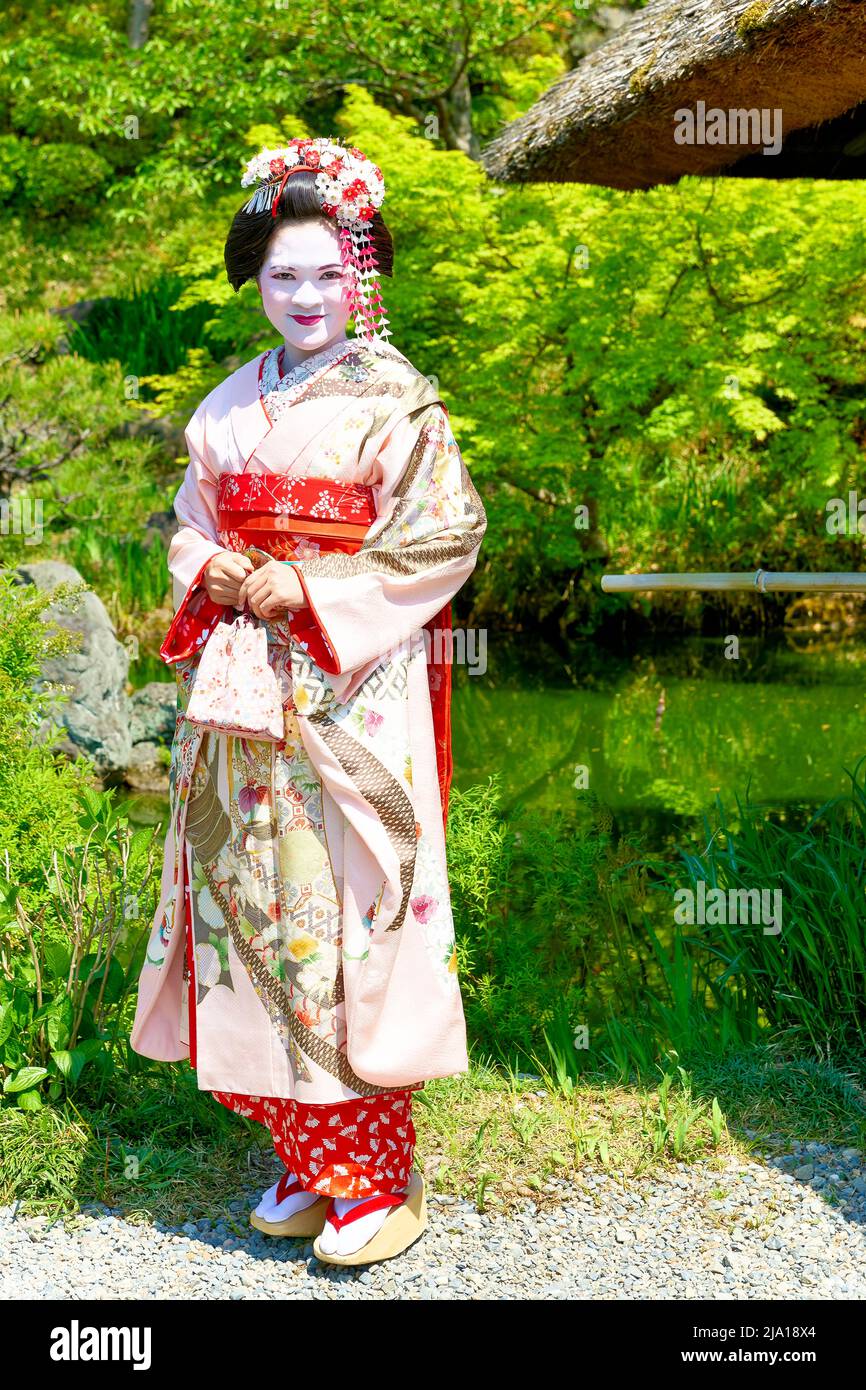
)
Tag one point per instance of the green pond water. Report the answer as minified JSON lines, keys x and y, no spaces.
{"x":660,"y":729}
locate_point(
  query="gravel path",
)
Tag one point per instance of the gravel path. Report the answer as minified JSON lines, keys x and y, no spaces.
{"x":790,"y":1227}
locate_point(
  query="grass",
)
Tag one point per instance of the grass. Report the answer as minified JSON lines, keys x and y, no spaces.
{"x":142,"y":330}
{"x":160,"y":1150}
{"x":130,"y":576}
{"x":810,"y":976}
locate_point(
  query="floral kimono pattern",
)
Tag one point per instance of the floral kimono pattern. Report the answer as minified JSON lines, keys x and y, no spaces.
{"x":303,"y":949}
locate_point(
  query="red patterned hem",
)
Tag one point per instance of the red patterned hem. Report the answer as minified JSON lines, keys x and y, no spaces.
{"x":353,"y":1148}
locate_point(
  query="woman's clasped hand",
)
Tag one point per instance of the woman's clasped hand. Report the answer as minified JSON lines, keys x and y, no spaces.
{"x":231,"y":578}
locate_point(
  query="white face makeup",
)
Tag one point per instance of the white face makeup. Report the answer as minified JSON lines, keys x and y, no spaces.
{"x":303,"y":288}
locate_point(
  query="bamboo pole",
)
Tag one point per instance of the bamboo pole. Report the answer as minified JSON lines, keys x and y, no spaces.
{"x":761,"y":581}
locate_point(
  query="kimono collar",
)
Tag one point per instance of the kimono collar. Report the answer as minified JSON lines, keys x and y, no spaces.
{"x":259,"y":394}
{"x":279,"y":393}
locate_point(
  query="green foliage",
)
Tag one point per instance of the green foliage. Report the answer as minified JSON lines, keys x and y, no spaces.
{"x":532,"y":908}
{"x":145,"y":331}
{"x":58,"y":180}
{"x":36,"y":786}
{"x":690,"y":370}
{"x":131,"y":573}
{"x":179,"y":393}
{"x":25,"y":643}
{"x":66,"y":972}
{"x":62,"y":180}
{"x":810,"y":977}
{"x":74,"y":877}
{"x":70,"y":430}
{"x":169,"y":131}
{"x":77,"y":887}
{"x":14,"y":157}
{"x":576,"y":963}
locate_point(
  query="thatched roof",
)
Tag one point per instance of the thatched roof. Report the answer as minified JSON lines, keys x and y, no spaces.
{"x":613,"y":120}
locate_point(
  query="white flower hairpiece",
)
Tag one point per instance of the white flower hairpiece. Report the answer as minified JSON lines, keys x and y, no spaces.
{"x":350,"y":186}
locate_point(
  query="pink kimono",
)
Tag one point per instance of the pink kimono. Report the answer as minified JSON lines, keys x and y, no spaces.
{"x":304,"y":941}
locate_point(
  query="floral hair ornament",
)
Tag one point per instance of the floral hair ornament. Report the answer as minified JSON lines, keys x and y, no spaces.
{"x":350,"y":188}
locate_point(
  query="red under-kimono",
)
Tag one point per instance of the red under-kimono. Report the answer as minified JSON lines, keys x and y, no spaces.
{"x":317,"y":985}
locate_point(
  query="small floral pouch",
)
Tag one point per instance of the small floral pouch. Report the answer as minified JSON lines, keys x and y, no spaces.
{"x":236,"y":691}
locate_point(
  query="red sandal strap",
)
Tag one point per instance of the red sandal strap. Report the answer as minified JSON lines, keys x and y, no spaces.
{"x":287,"y":1185}
{"x":364,"y":1208}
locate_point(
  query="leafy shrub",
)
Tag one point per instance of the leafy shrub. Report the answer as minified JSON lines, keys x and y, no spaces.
{"x":66,"y":972}
{"x":14,"y":156}
{"x":808,"y":977}
{"x":76,"y":895}
{"x":62,"y":180}
{"x":142,"y":330}
{"x":37,"y":786}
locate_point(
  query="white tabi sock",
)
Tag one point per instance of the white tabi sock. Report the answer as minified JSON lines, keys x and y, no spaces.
{"x":350,"y":1238}
{"x":271,"y":1210}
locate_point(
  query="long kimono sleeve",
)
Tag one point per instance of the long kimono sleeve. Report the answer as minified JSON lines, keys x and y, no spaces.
{"x":197,"y":540}
{"x":418,"y":553}
{"x":193,"y":547}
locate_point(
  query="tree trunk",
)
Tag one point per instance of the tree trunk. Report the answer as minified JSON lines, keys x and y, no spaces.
{"x":460,"y":112}
{"x":139,"y":22}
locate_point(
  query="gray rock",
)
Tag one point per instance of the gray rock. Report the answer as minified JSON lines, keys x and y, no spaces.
{"x":96,"y":715}
{"x":162,"y":525}
{"x":147,"y":770}
{"x":154,"y":712}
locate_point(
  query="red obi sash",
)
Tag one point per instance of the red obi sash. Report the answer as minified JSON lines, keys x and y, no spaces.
{"x":290,"y":518}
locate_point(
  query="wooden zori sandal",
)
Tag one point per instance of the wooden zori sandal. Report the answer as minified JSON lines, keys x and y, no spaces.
{"x":306,"y":1222}
{"x":400,"y":1228}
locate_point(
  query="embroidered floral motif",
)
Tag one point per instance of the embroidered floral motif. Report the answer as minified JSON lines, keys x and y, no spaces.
{"x":279,"y":494}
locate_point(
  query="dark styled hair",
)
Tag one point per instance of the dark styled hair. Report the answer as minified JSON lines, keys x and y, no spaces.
{"x":250,"y":233}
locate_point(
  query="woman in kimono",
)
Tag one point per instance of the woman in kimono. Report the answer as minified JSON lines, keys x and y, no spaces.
{"x":303,"y":953}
